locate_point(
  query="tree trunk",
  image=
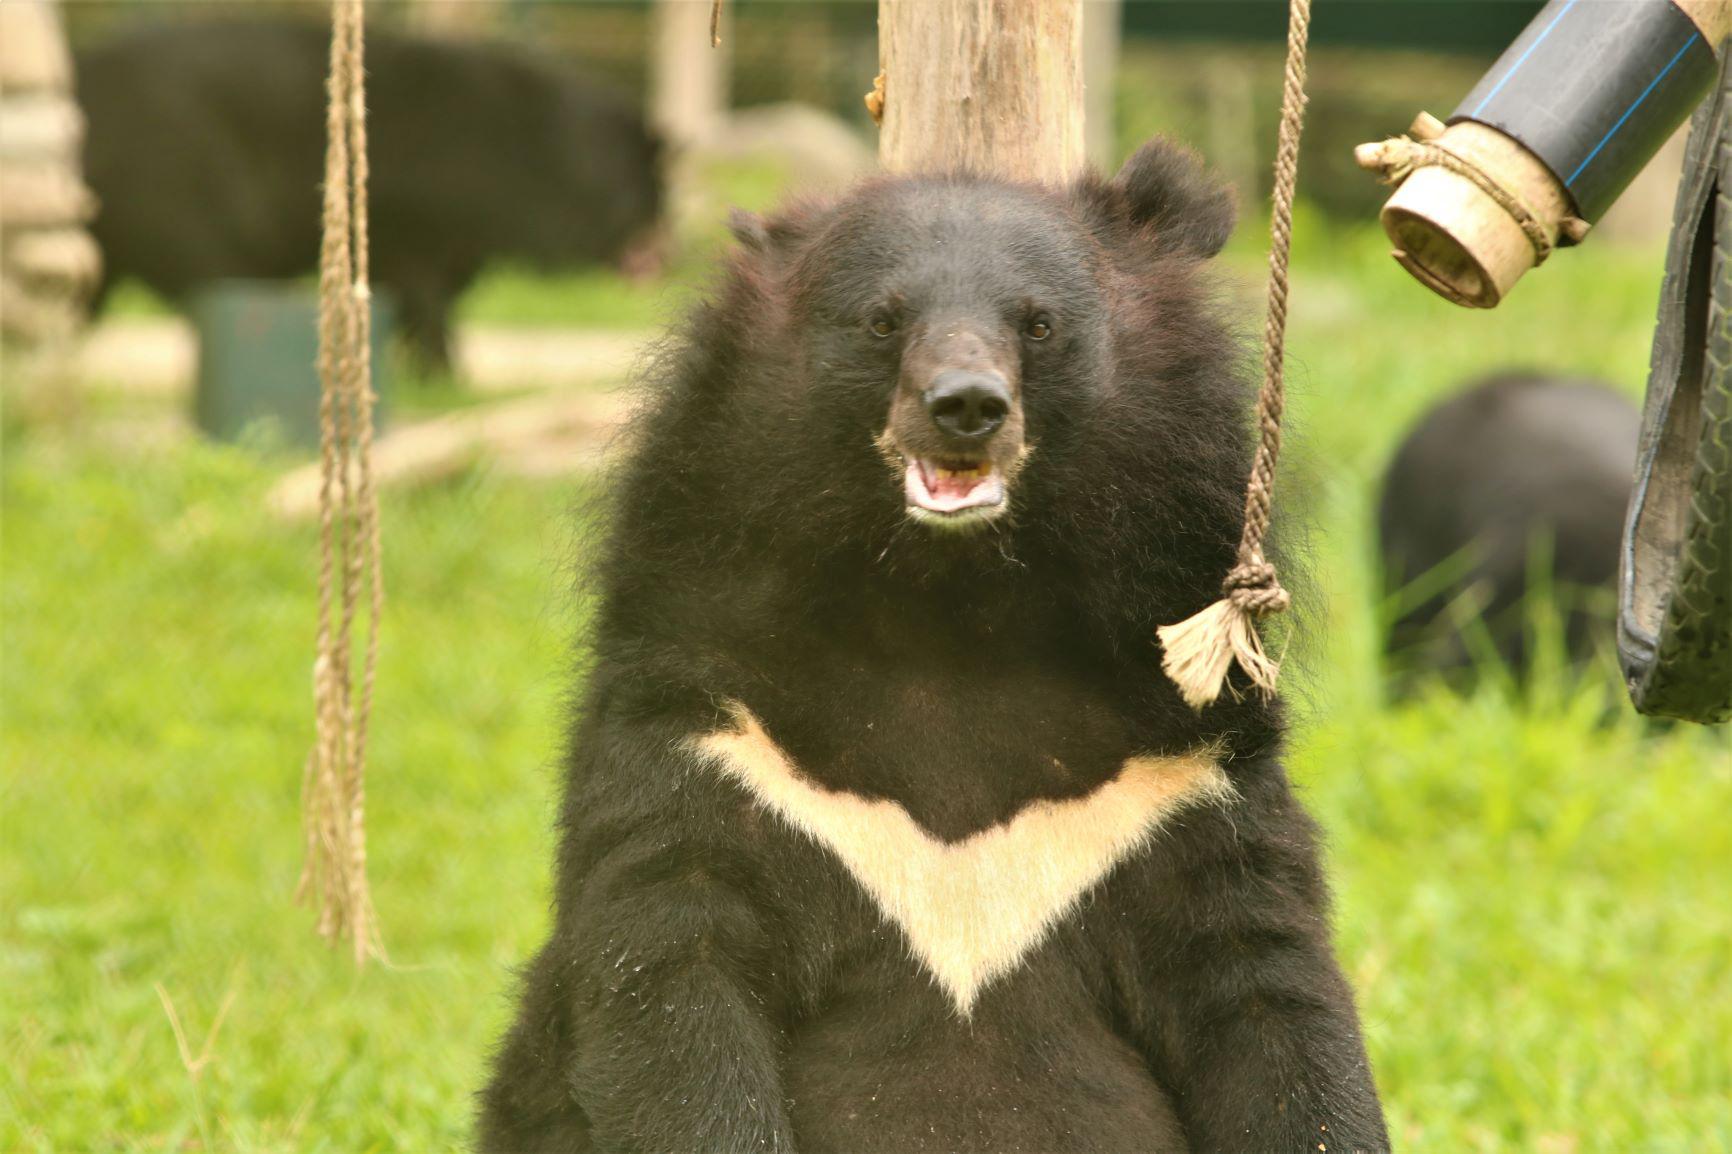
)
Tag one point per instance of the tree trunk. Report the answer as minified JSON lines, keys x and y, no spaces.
{"x":1101,"y":22}
{"x":989,"y":86}
{"x":690,"y":78}
{"x":456,"y":19}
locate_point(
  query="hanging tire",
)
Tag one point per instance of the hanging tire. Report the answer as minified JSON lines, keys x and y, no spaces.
{"x":1675,"y":575}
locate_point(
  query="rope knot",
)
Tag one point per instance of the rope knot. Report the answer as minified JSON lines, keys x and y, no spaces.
{"x":1392,"y":160}
{"x":1254,"y":587}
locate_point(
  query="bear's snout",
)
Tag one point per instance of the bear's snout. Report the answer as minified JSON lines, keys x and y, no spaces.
{"x":969,"y":406}
{"x":956,"y":424}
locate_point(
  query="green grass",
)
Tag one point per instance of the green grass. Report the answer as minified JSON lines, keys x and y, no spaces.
{"x":133,"y":299}
{"x":595,"y":299}
{"x":156,"y":672}
{"x":1532,"y":904}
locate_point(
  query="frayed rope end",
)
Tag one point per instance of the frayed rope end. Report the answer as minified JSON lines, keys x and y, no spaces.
{"x":1201,"y":649}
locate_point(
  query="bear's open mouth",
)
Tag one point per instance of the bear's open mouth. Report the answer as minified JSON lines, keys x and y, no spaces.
{"x":952,"y":488}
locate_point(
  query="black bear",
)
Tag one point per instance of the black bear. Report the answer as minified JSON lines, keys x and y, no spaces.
{"x":1522,"y":477}
{"x":882,"y":828}
{"x":206,"y":148}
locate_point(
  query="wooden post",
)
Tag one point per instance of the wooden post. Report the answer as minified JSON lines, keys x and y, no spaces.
{"x":1101,"y":43}
{"x":456,"y":19}
{"x":689,"y":96}
{"x":991,"y":86}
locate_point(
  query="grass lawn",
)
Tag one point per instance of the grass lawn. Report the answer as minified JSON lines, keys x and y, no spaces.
{"x":1533,"y":905}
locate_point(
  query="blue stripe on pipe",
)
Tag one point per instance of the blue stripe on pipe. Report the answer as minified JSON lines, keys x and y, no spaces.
{"x":1613,"y":131}
{"x":1522,"y":59}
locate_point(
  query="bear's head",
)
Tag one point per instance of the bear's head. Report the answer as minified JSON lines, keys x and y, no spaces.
{"x":971,"y":323}
{"x":940,"y":378}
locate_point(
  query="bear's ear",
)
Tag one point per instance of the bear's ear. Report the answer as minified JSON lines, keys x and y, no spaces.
{"x":765,"y":236}
{"x":1164,"y":187}
{"x":750,"y":229}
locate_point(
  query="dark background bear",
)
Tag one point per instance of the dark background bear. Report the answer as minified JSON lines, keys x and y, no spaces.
{"x":915,"y":492}
{"x":206,"y":151}
{"x":1518,"y":483}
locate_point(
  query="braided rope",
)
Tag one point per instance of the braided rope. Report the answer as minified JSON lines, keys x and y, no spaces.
{"x":1200,"y":651}
{"x":1253,"y":583}
{"x":334,"y":874}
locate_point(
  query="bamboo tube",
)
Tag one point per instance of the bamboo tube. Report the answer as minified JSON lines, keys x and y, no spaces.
{"x":1454,"y":236}
{"x":1712,"y":17}
{"x":1481,"y":202}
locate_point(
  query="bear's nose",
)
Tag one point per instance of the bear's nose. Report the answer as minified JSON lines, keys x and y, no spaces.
{"x":968,"y":404}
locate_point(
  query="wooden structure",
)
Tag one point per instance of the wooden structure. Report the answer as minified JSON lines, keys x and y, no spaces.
{"x":1102,"y":22}
{"x":48,"y":262}
{"x":992,"y":86}
{"x":456,"y":19}
{"x":689,"y":75}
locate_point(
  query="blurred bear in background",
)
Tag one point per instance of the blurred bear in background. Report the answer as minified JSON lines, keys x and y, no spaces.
{"x":1522,"y":479}
{"x":206,"y":148}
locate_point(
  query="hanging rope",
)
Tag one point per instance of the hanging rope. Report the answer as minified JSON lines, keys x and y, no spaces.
{"x":334,"y":874}
{"x":1200,"y":650}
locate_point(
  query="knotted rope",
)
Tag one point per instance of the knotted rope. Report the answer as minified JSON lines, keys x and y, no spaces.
{"x":1200,"y":650}
{"x":334,"y":874}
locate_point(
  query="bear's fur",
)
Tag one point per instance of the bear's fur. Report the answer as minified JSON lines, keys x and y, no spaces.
{"x":1520,"y":478}
{"x":882,"y":828}
{"x":206,"y":143}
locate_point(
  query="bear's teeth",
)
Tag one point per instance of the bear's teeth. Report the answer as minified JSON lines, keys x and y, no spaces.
{"x":967,"y":493}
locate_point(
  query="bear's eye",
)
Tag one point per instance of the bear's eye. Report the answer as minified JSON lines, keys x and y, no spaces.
{"x":1039,"y":329}
{"x":883,"y":326}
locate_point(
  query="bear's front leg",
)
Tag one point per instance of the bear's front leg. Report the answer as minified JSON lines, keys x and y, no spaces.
{"x":1253,"y":1026}
{"x":653,"y":1015}
{"x":678,"y":1052}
